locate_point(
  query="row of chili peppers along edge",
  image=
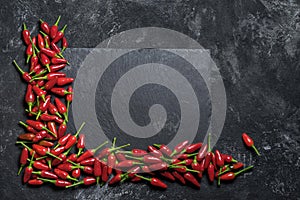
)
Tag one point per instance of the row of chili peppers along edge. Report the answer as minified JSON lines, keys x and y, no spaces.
{"x":47,"y":154}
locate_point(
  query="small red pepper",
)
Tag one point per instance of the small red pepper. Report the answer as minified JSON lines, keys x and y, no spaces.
{"x":43,"y":151}
{"x":26,"y":136}
{"x":39,"y":136}
{"x":58,"y":150}
{"x":50,"y":84}
{"x":249,"y":142}
{"x":54,"y":28}
{"x":67,"y":167}
{"x":88,"y":162}
{"x":231,"y":175}
{"x":28,"y":128}
{"x":45,"y":61}
{"x":28,"y":170}
{"x":189,"y":177}
{"x":153,"y":151}
{"x":193,"y":147}
{"x":29,"y":97}
{"x":236,"y":166}
{"x":211,"y":172}
{"x":164,"y":149}
{"x":29,"y":52}
{"x":43,"y":106}
{"x":51,"y":75}
{"x":64,"y":81}
{"x":158,"y":166}
{"x":180,"y":147}
{"x":64,"y":44}
{"x":35,"y":182}
{"x":60,"y":91}
{"x":97,"y":169}
{"x":46,"y":174}
{"x":38,"y":125}
{"x":61,"y":129}
{"x":58,"y":61}
{"x":73,"y":138}
{"x":55,"y":48}
{"x":80,"y":144}
{"x":63,"y":174}
{"x":76,"y":173}
{"x":85,"y":181}
{"x":50,"y":53}
{"x":26,"y":35}
{"x":55,"y":68}
{"x":39,"y":92}
{"x":155,"y":182}
{"x":127,"y":164}
{"x":59,"y":35}
{"x":45,"y":26}
{"x":228,"y":158}
{"x":219,"y":159}
{"x":116,"y":179}
{"x":46,"y":117}
{"x":168,"y":175}
{"x":41,"y":42}
{"x":62,"y":109}
{"x":90,"y":152}
{"x":23,"y":159}
{"x":25,"y":75}
{"x":53,"y":110}
{"x":57,"y":182}
{"x":107,"y":151}
{"x":46,"y":143}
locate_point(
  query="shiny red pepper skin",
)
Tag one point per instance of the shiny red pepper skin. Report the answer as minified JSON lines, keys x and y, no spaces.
{"x":52,"y":127}
{"x":64,"y":139}
{"x":248,"y":141}
{"x":41,"y":42}
{"x":53,"y":75}
{"x":25,"y":75}
{"x":46,"y":143}
{"x":236,"y":166}
{"x":45,"y":27}
{"x":64,"y":43}
{"x":39,"y":165}
{"x":35,"y":124}
{"x":61,"y":174}
{"x":211,"y":172}
{"x":151,"y":159}
{"x":50,"y":84}
{"x":97,"y":168}
{"x":29,"y":52}
{"x":26,"y":136}
{"x":120,"y":157}
{"x":64,"y":81}
{"x":207,"y":160}
{"x":49,"y":53}
{"x":153,"y":151}
{"x":81,"y":144}
{"x":39,"y":92}
{"x":116,"y":179}
{"x":202,"y":153}
{"x":76,"y":173}
{"x":28,"y":128}
{"x":54,"y":29}
{"x":126,"y":164}
{"x":193,"y":147}
{"x":89,"y":180}
{"x":62,"y":109}
{"x":35,"y":68}
{"x":55,"y":48}
{"x":56,"y":161}
{"x":61,"y":129}
{"x":111,"y":162}
{"x":35,"y":182}
{"x":71,"y":141}
{"x":58,"y":61}
{"x":53,"y":110}
{"x":46,"y":117}
{"x":39,"y":136}
{"x":219,"y":159}
{"x":44,"y":59}
{"x":26,"y":35}
{"x":59,"y":35}
{"x":168,"y":175}
{"x":189,"y":177}
{"x":44,"y":104}
{"x":55,"y":68}
{"x":59,"y":91}
{"x":158,"y":183}
{"x":165,"y":150}
{"x":104,"y":175}
{"x":138,"y":152}
{"x":58,"y":150}
{"x":46,"y":174}
{"x":180,"y":147}
{"x":158,"y":166}
{"x":66,"y":167}
{"x":88,"y":162}
{"x":23,"y":159}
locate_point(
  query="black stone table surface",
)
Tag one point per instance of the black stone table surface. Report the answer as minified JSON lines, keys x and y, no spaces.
{"x":254,"y":43}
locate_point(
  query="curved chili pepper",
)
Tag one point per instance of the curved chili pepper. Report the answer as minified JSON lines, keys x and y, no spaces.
{"x":26,"y":34}
{"x":193,"y":147}
{"x":80,"y":144}
{"x":63,"y":175}
{"x":43,"y":151}
{"x":39,"y":136}
{"x":23,"y":159}
{"x":249,"y":142}
{"x":26,"y":136}
{"x":57,"y":67}
{"x":39,"y":92}
{"x":35,"y":182}
{"x":154,"y":181}
{"x":90,"y":153}
{"x":180,"y":147}
{"x":116,"y":179}
{"x":64,"y":44}
{"x":189,"y":177}
{"x":236,"y":166}
{"x":38,"y":125}
{"x":53,"y":110}
{"x":28,"y":128}
{"x":46,"y":174}
{"x":60,"y":91}
{"x":54,"y":28}
{"x":64,"y":81}
{"x":45,"y":143}
{"x":164,"y":149}
{"x":50,"y":53}
{"x":62,"y":109}
{"x":25,"y":75}
{"x":41,"y":42}
{"x":155,"y":152}
{"x":73,"y":138}
{"x":45,"y":26}
{"x":228,"y":158}
{"x":50,"y":84}
{"x":59,"y":35}
{"x":231,"y":175}
{"x":45,"y":61}
{"x":57,"y":182}
{"x":58,"y":150}
{"x":58,"y":61}
{"x":219,"y":159}
{"x":55,"y":48}
{"x":158,"y":166}
{"x":28,"y":170}
{"x":40,"y":166}
{"x":88,"y":162}
{"x":167,"y":175}
{"x":63,"y":140}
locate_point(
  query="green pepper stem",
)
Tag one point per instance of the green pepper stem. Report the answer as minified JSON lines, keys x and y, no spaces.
{"x":223,"y":172}
{"x":78,"y":183}
{"x":120,"y":147}
{"x":97,"y":148}
{"x":18,"y":67}
{"x":28,"y":58}
{"x":57,"y":21}
{"x":49,"y":131}
{"x":135,"y":158}
{"x":63,"y":29}
{"x":20,"y":169}
{"x":82,"y":125}
{"x":42,"y":21}
{"x":40,"y":158}
{"x":142,"y":177}
{"x":22,"y":123}
{"x":256,"y":151}
{"x":24,"y":26}
{"x":46,"y":180}
{"x":51,"y":154}
{"x":243,"y":170}
{"x":27,"y":147}
{"x":44,"y":34}
{"x":191,"y":170}
{"x":157,"y":145}
{"x":208,"y":141}
{"x":76,"y":164}
{"x":71,"y":178}
{"x":31,"y":159}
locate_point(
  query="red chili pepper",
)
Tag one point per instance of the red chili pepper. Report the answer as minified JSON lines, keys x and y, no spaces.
{"x":46,"y":117}
{"x":43,"y":106}
{"x":207,"y":160}
{"x":153,"y":151}
{"x":28,"y":128}
{"x":158,"y":166}
{"x":164,"y":149}
{"x":189,"y":177}
{"x":43,"y":151}
{"x":58,"y":150}
{"x":54,"y":29}
{"x":228,"y":158}
{"x":26,"y":35}
{"x":80,"y":144}
{"x":55,"y":48}
{"x":120,"y":156}
{"x":249,"y":142}
{"x":55,"y":68}
{"x":64,"y":44}
{"x":135,"y":179}
{"x":57,"y":182}
{"x":62,"y":109}
{"x":219,"y":158}
{"x":67,"y":167}
{"x":73,"y":138}
{"x":53,"y":110}
{"x":28,"y":170}
{"x":60,"y":91}
{"x":63,"y":175}
{"x":23,"y":159}
{"x":34,"y":69}
{"x":133,"y":171}
{"x":85,"y":181}
{"x":76,"y":173}
{"x":136,"y":152}
{"x":111,"y":162}
{"x":39,"y":92}
{"x":29,"y":52}
{"x":107,"y":151}
{"x":45,"y":60}
{"x":211,"y":172}
{"x":90,"y":152}
{"x":73,"y":157}
{"x":59,"y":35}
{"x":168,"y":175}
{"x":46,"y":174}
{"x":193,"y":147}
{"x":182,"y":169}
{"x":34,"y":60}
{"x":38,"y":125}
{"x":46,"y":143}
{"x":41,"y":42}
{"x":202,"y":153}
{"x":154,"y":181}
{"x":64,"y":81}
{"x":180,"y":147}
{"x":51,"y":75}
{"x":40,"y":166}
{"x":231,"y":175}
{"x":46,"y":39}
{"x":61,"y":129}
{"x":185,"y":162}
{"x":88,"y":162}
{"x":50,"y":53}
{"x":116,"y":179}
{"x":237,"y":166}
{"x":59,"y":61}
{"x":35,"y":182}
{"x":50,"y":84}
{"x":26,"y":136}
{"x":127,"y":164}
{"x":45,"y":26}
{"x":25,"y":75}
{"x":97,"y":169}
{"x":39,"y":136}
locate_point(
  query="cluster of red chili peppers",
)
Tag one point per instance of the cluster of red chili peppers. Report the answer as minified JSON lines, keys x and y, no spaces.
{"x":47,"y":156}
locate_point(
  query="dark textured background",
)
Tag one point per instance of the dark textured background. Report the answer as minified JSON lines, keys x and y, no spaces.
{"x":254,"y":43}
